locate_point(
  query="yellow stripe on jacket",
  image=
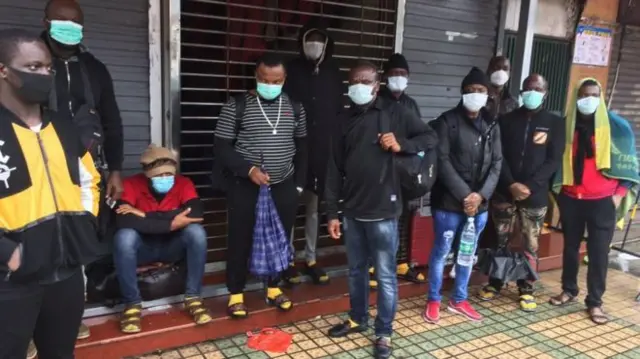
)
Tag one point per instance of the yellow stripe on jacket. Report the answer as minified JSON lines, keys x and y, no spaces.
{"x":50,"y":191}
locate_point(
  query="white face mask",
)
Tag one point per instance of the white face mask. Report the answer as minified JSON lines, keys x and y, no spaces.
{"x":499,"y":78}
{"x":397,"y":83}
{"x":474,"y":101}
{"x":313,"y":49}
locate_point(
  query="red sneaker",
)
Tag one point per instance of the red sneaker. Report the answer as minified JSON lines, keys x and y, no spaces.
{"x":431,"y":312}
{"x":465,"y":309}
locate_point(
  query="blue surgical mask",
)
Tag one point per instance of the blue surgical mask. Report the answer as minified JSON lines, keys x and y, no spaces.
{"x":361,"y":94}
{"x":162,"y":184}
{"x":66,"y":32}
{"x":588,"y":105}
{"x":268,"y":91}
{"x":532,"y":100}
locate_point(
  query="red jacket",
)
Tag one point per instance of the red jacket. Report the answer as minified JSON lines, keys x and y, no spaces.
{"x":159,"y":209}
{"x":594,"y":184}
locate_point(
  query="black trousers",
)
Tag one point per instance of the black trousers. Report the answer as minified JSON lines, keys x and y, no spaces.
{"x":599,"y":218}
{"x":242,"y":197}
{"x":51,"y":314}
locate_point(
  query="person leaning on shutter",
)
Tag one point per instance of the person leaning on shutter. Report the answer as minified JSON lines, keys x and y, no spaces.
{"x":63,"y":35}
{"x":396,"y":74}
{"x":49,"y":200}
{"x":267,"y":147}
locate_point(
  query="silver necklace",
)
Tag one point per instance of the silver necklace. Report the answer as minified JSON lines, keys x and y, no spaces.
{"x":273,"y":127}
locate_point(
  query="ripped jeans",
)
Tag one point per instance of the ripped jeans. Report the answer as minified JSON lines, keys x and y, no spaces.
{"x":447,"y":227}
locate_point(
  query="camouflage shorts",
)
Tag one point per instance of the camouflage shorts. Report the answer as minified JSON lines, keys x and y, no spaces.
{"x":510,"y":219}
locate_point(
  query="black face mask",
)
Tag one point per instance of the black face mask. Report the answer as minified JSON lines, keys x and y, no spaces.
{"x":35,"y":88}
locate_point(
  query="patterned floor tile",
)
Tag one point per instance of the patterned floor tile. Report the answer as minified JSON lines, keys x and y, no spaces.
{"x":506,"y":333}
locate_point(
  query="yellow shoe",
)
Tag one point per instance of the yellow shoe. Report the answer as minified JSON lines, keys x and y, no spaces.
{"x":276,"y":298}
{"x":528,"y":303}
{"x":488,"y":293}
{"x":198,"y":311}
{"x":83,"y":332}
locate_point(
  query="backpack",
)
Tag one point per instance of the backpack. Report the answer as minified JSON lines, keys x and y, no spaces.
{"x":220,"y":176}
{"x":415,"y":174}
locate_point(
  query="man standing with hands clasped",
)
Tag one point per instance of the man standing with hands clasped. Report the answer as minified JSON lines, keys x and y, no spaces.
{"x":469,"y":162}
{"x":534,"y":138}
{"x":372,"y":201}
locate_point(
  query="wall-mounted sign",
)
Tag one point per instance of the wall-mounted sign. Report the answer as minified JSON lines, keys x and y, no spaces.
{"x":592,"y":46}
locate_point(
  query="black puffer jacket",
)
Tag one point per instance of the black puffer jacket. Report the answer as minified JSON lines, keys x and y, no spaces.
{"x":469,"y":159}
{"x":318,"y":86}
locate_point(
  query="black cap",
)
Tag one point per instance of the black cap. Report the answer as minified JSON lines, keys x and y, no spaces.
{"x":476,"y":77}
{"x":396,"y":61}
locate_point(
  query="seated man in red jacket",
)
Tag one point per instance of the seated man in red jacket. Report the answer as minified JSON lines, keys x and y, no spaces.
{"x":158,"y":220}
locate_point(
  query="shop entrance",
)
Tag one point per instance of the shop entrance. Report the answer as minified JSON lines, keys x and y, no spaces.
{"x":221,"y":41}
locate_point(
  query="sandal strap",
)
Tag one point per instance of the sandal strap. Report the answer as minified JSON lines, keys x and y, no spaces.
{"x":281,"y":299}
{"x":238,"y":307}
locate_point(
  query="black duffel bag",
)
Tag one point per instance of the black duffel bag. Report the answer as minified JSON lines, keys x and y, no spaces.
{"x":154,"y":282}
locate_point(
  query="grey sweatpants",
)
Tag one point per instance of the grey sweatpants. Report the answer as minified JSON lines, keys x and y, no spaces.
{"x":310,"y":201}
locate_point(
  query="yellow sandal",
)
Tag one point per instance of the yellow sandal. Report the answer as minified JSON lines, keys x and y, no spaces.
{"x":198,"y":311}
{"x":131,"y":321}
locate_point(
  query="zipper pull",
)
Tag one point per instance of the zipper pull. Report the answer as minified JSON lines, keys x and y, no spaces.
{"x":8,"y":276}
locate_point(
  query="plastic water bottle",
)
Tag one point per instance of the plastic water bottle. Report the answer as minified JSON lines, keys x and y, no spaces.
{"x":467,"y":244}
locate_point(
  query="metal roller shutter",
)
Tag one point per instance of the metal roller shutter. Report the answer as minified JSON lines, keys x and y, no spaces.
{"x":624,"y":76}
{"x":442,"y":41}
{"x":117,"y":34}
{"x":220,"y":43}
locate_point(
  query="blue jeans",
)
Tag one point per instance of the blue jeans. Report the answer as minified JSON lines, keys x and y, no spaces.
{"x":377,"y":240}
{"x":447,"y":227}
{"x":132,"y":249}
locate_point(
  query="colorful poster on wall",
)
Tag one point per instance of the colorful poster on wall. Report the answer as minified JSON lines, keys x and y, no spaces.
{"x":592,"y":46}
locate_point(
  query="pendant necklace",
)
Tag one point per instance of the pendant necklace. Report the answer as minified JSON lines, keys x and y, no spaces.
{"x":273,"y":127}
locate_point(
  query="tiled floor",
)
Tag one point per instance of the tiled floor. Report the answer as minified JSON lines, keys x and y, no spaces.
{"x":506,"y":332}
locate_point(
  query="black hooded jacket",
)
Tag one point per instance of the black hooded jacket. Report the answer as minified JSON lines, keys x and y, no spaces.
{"x":318,"y":86}
{"x":70,"y":95}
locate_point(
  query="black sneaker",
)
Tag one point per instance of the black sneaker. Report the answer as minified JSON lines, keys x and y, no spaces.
{"x":317,"y":274}
{"x":291,"y":276}
{"x":344,"y":329}
{"x":382,"y":348}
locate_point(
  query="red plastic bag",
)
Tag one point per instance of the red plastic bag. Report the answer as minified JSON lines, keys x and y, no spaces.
{"x":270,"y":340}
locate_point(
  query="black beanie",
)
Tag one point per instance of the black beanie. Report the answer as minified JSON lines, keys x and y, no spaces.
{"x":396,"y":61}
{"x":476,"y":77}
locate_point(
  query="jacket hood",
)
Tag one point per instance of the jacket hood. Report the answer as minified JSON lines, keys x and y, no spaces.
{"x":321,"y":25}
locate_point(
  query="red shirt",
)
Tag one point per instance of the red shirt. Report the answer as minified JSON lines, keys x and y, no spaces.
{"x":137,"y":192}
{"x":594,"y":184}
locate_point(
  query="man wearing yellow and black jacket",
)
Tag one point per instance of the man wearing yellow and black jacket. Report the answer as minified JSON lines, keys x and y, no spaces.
{"x":48,"y":206}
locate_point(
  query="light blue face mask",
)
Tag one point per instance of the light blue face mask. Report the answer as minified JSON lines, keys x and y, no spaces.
{"x":361,"y":94}
{"x":268,"y":91}
{"x":588,"y":105}
{"x":66,"y":32}
{"x":532,"y":100}
{"x":162,"y":184}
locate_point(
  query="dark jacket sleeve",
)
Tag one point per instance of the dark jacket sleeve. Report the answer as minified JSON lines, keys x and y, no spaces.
{"x":152,"y":224}
{"x":491,"y":181}
{"x":553,"y":160}
{"x":506,"y":176}
{"x":419,"y":135}
{"x":111,"y":121}
{"x":335,"y":175}
{"x":447,"y":174}
{"x":7,"y":247}
{"x":225,"y":136}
